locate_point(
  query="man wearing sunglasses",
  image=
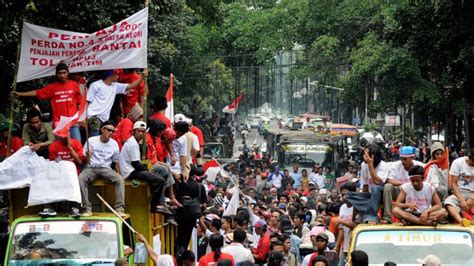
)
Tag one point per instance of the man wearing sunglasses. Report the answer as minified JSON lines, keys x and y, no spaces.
{"x":100,"y":152}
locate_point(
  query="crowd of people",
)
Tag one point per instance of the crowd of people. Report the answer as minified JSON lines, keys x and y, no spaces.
{"x":284,"y":216}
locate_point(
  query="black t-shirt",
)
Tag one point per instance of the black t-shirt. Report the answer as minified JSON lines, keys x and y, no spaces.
{"x":192,"y":189}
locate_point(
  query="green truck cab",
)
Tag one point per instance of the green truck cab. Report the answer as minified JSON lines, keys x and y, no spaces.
{"x":405,"y":245}
{"x":96,"y":240}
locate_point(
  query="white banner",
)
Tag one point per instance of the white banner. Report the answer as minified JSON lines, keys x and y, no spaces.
{"x":122,"y":45}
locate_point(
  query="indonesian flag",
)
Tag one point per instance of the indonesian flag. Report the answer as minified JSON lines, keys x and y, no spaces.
{"x":212,"y":168}
{"x":232,"y":108}
{"x":65,"y":122}
{"x":169,"y":112}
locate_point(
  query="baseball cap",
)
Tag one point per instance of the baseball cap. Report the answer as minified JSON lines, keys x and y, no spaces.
{"x":407,"y":151}
{"x":139,"y":125}
{"x":430,"y":260}
{"x":181,"y":118}
{"x":304,"y":199}
{"x":316,"y":230}
{"x":323,"y":236}
{"x":311,"y":183}
{"x":260,"y":224}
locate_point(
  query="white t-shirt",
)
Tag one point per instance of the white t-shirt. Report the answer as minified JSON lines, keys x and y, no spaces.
{"x":102,"y":154}
{"x":276,"y":180}
{"x":101,"y":97}
{"x":130,"y":153}
{"x":345,"y":214}
{"x":179,"y":147}
{"x":239,"y":252}
{"x":382,"y":171}
{"x":421,"y":198}
{"x":317,"y":179}
{"x":464,"y":172}
{"x":398,"y":172}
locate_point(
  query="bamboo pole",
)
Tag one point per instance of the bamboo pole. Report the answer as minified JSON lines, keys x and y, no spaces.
{"x":13,"y":89}
{"x":116,"y":214}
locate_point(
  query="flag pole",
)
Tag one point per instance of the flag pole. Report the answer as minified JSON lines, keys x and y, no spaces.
{"x":144,"y":104}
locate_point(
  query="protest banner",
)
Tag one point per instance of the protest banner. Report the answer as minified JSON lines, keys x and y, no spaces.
{"x":122,"y":45}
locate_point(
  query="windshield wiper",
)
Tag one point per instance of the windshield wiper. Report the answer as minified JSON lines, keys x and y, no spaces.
{"x":98,"y":262}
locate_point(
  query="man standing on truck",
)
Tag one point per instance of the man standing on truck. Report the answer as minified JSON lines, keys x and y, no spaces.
{"x":65,"y":97}
{"x":130,"y":167}
{"x":100,"y":152}
{"x":418,"y":203}
{"x":462,"y":183}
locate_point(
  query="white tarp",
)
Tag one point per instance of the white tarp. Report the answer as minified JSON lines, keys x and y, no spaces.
{"x":49,"y":181}
{"x":122,"y":45}
{"x":58,"y":182}
{"x":17,"y":170}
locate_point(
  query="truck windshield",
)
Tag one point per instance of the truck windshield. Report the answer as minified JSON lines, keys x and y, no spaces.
{"x":64,"y":242}
{"x":405,"y":247}
{"x":306,"y":155}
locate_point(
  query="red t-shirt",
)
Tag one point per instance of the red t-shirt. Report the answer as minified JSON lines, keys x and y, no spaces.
{"x":209,"y":259}
{"x":123,"y":131}
{"x":65,"y":97}
{"x":58,"y":150}
{"x":15,"y":145}
{"x":162,"y":118}
{"x":160,"y":149}
{"x":133,"y":95}
{"x":263,"y":247}
{"x":198,"y":132}
{"x":151,"y":149}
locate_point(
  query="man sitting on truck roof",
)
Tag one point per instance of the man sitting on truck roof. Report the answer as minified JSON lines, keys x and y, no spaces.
{"x":462,"y":183}
{"x":130,"y":167}
{"x":100,"y":151}
{"x":418,"y":203}
{"x":397,"y":176}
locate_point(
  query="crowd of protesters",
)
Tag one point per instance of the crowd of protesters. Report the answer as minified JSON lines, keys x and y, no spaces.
{"x":284,"y":216}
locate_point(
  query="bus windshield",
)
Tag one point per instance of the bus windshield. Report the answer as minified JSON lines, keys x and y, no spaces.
{"x":65,"y":242}
{"x":306,"y":155}
{"x":406,"y":247}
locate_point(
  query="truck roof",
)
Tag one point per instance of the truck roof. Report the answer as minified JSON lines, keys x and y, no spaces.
{"x":95,"y":216}
{"x":399,"y":226}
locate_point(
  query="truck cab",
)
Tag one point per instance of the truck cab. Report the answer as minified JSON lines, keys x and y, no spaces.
{"x":405,"y":245}
{"x":96,"y":240}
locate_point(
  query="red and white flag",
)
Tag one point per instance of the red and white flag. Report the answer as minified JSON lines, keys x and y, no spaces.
{"x":212,"y":168}
{"x":65,"y":122}
{"x":169,"y":112}
{"x":232,"y":108}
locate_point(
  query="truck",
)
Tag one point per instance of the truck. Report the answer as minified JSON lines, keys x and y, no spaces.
{"x":96,"y":240}
{"x":406,"y":245}
{"x":306,"y":148}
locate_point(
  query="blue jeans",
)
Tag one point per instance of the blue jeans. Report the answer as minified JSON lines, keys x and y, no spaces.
{"x":366,"y":202}
{"x":342,"y":259}
{"x":75,"y":132}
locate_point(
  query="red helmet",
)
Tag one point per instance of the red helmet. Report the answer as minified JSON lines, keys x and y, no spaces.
{"x":168,"y":134}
